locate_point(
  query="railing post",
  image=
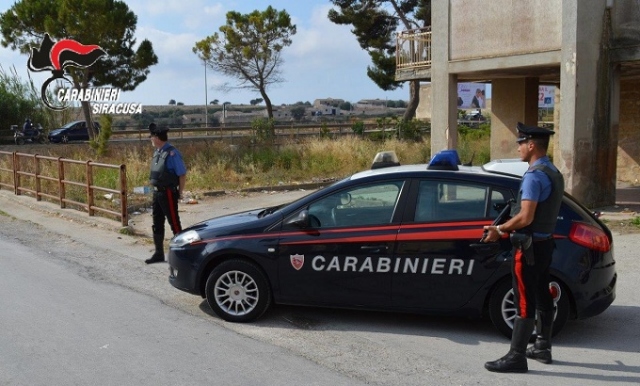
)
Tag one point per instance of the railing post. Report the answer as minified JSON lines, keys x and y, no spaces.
{"x":15,"y":173}
{"x":123,"y":195}
{"x":61,"y":183}
{"x":37,"y":174}
{"x":90,"y":200}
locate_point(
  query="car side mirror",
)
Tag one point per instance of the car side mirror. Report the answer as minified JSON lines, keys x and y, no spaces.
{"x":300,"y":220}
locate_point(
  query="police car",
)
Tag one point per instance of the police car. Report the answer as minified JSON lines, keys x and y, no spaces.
{"x":400,"y":238}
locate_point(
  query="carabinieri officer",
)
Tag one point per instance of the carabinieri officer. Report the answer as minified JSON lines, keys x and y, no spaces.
{"x":168,"y":176}
{"x":533,"y":220}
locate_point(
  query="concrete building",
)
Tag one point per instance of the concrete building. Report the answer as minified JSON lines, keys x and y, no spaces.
{"x":589,"y":49}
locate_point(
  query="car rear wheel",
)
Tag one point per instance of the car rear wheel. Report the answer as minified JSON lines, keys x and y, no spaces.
{"x":502,"y":307}
{"x":238,"y":291}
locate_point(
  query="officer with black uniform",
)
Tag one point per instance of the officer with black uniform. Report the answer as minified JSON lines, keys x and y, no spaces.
{"x":168,"y":176}
{"x":533,"y":220}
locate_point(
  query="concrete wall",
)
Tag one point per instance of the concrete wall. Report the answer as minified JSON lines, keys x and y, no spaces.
{"x":481,"y":28}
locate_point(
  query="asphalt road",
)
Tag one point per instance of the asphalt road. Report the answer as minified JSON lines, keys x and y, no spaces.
{"x":79,"y":306}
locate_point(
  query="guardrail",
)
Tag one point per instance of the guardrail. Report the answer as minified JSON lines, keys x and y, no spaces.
{"x":233,"y":133}
{"x":413,"y":48}
{"x":65,"y":181}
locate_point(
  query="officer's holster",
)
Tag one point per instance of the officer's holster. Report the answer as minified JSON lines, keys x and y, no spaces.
{"x":524,"y":242}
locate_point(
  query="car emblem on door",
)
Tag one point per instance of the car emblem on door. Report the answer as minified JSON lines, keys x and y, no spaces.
{"x":297,"y":261}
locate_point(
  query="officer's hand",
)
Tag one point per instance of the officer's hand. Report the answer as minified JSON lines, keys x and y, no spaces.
{"x":490,"y":234}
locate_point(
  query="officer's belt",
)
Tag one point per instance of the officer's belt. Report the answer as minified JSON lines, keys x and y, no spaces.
{"x":164,"y":188}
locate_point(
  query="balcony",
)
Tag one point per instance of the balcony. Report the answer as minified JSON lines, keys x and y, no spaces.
{"x":413,"y":54}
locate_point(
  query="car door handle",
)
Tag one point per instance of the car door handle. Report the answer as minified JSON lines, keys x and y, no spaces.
{"x":371,"y":247}
{"x":485,"y":249}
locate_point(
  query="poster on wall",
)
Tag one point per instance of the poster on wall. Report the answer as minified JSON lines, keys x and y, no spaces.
{"x":545,"y":96}
{"x":471,"y":96}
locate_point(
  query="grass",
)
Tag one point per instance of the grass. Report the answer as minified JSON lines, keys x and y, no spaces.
{"x":214,"y":165}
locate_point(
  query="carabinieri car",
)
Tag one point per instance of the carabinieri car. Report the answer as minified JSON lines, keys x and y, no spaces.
{"x":398,"y":238}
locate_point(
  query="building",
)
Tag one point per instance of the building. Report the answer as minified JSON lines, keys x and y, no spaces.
{"x":588,"y":49}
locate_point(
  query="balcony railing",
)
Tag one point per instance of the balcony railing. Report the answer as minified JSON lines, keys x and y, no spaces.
{"x":413,"y":48}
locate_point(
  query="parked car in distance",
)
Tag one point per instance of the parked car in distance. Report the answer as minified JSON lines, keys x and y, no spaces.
{"x":72,"y":131}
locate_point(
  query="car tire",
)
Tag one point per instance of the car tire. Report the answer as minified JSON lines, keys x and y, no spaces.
{"x":238,"y":291}
{"x":502,"y":309}
{"x":64,"y":139}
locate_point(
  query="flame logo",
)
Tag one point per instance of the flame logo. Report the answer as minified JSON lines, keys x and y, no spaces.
{"x":55,"y":57}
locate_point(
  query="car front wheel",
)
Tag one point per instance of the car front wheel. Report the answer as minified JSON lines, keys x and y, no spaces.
{"x":238,"y":291}
{"x":64,"y":139}
{"x":502,"y":307}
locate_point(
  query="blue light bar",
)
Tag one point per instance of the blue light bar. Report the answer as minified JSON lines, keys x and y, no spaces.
{"x":445,"y":160}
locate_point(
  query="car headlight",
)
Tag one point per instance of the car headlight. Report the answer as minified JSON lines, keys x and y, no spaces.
{"x":184,"y":238}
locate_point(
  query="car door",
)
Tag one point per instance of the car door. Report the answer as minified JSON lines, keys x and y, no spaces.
{"x":344,"y":258}
{"x":440,"y":262}
{"x":80,"y":132}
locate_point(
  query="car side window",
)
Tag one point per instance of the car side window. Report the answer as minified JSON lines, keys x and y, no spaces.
{"x":373,"y":204}
{"x":450,"y":200}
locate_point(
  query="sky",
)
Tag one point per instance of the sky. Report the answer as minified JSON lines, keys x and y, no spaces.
{"x":324,"y":60}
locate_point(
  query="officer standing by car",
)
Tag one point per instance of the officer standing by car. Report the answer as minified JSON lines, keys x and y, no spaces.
{"x":531,"y":227}
{"x":168,"y":176}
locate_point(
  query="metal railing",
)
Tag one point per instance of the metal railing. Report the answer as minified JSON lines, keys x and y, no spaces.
{"x":55,"y":179}
{"x":413,"y":48}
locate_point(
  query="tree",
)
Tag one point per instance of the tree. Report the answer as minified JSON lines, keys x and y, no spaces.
{"x":106,"y":23}
{"x":214,"y":102}
{"x":257,"y":101}
{"x":374,"y":24}
{"x":345,"y":106}
{"x":249,"y":49}
{"x":297,"y":112}
{"x":172,"y":102}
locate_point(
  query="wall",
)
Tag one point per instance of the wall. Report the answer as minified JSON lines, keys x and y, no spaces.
{"x":479,"y":27}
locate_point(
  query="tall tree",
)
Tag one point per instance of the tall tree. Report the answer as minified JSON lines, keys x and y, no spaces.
{"x":375,"y":23}
{"x":249,"y":49}
{"x":106,"y":23}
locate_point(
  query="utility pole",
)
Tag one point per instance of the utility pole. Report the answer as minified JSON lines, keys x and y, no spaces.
{"x":206,"y":102}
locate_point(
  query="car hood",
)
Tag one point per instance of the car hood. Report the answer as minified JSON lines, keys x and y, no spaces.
{"x":56,"y":131}
{"x":238,"y":222}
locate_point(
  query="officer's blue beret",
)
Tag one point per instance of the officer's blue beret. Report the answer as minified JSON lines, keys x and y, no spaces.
{"x":528,"y":132}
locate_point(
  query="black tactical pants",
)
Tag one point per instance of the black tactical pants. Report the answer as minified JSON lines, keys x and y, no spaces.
{"x":165,"y":206}
{"x":531,"y":282}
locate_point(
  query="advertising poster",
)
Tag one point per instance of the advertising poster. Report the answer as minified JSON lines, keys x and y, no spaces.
{"x":471,"y":96}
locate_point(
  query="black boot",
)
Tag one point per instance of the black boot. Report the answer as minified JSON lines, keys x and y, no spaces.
{"x":515,"y":361}
{"x":158,"y":256}
{"x":541,"y":349}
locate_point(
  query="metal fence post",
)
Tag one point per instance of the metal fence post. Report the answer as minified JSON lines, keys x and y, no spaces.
{"x":90,"y":200}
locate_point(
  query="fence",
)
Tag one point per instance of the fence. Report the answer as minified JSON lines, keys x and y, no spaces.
{"x":237,"y":133}
{"x":65,"y":181}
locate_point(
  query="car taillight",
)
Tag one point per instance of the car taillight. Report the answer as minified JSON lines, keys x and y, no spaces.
{"x":589,"y":236}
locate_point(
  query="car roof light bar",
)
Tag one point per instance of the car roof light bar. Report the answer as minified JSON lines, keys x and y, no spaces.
{"x":445,"y":160}
{"x":385,"y":159}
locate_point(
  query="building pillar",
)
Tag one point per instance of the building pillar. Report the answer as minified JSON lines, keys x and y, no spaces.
{"x":512,"y":101}
{"x":444,"y":86}
{"x":584,"y":143}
